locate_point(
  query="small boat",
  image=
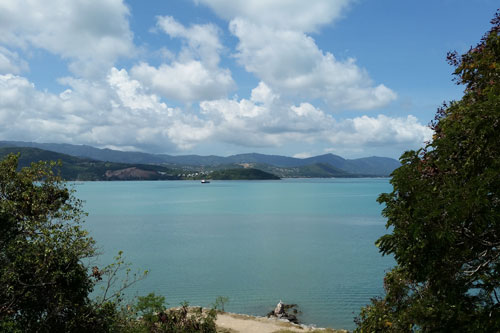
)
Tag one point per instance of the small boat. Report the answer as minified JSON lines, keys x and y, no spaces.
{"x":204,"y":181}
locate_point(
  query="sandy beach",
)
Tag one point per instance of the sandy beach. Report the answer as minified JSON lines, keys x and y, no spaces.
{"x":232,"y":323}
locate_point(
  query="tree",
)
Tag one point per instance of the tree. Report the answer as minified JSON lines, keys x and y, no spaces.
{"x":444,"y":213}
{"x":44,"y":285}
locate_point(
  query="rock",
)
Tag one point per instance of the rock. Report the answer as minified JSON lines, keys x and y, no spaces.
{"x":291,"y":318}
{"x":279,"y":311}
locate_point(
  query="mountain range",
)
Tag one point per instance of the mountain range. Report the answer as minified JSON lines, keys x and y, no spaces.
{"x":323,"y":165}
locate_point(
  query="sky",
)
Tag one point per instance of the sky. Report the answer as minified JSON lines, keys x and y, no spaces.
{"x":289,"y":77}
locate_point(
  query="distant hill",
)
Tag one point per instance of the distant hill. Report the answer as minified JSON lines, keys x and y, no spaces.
{"x":108,"y":155}
{"x":242,"y":174}
{"x":374,"y":166}
{"x":276,"y":160}
{"x":77,"y":168}
{"x":368,"y":166}
{"x":316,"y":170}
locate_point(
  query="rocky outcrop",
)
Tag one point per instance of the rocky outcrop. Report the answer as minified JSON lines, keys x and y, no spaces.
{"x":282,"y":311}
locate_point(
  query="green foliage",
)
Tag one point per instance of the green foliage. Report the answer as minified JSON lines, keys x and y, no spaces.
{"x":316,"y":170}
{"x":220,"y":301}
{"x":188,"y":320}
{"x":114,"y":279}
{"x":148,"y":306}
{"x":242,"y":174}
{"x":43,"y":284}
{"x":149,"y":315}
{"x":444,"y":212}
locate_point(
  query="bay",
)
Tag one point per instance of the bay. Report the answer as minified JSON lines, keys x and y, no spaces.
{"x":303,"y":241}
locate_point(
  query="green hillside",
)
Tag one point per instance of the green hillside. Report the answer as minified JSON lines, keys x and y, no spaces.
{"x":317,"y":170}
{"x":242,"y":174}
{"x":376,"y":166}
{"x":74,"y":168}
{"x":83,"y":169}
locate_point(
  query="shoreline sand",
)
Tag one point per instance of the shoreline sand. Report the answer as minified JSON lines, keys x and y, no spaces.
{"x":239,"y":323}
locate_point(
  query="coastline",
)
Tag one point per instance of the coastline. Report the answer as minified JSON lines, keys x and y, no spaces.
{"x":228,"y":322}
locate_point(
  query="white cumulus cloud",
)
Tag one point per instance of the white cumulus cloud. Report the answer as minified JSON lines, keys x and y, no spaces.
{"x":120,"y":112}
{"x":276,"y":46}
{"x":117,"y":112}
{"x":90,"y":34}
{"x":292,"y":64}
{"x":194,"y":74}
{"x":299,"y":15}
{"x":127,"y":108}
{"x":10,"y":62}
{"x":267,"y":120}
{"x":201,"y":40}
{"x":380,"y":130}
{"x":186,"y":81}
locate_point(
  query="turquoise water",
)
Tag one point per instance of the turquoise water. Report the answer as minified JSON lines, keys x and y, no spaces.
{"x":304,"y":241}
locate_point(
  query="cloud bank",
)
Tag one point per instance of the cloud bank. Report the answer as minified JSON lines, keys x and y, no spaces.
{"x":131,"y":107}
{"x":121,"y":113}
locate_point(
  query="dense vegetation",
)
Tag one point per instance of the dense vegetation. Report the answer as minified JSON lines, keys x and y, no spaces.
{"x":45,"y":284}
{"x":242,"y":174}
{"x":444,"y":213}
{"x":316,"y":170}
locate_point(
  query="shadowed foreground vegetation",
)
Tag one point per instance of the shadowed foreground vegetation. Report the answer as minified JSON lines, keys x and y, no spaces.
{"x":45,"y":285}
{"x":444,"y":212}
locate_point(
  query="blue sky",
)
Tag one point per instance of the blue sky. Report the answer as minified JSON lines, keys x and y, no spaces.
{"x":290,"y":77}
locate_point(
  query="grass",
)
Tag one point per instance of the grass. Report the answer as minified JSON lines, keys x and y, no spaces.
{"x":225,"y":330}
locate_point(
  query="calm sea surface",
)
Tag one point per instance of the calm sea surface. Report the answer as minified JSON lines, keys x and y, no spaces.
{"x":304,"y":241}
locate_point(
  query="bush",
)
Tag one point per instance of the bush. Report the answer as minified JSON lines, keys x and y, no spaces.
{"x":444,"y":212}
{"x":149,"y":315}
{"x":45,"y":285}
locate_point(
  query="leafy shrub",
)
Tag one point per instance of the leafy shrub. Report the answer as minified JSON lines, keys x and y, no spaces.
{"x":444,"y":212}
{"x":45,"y":285}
